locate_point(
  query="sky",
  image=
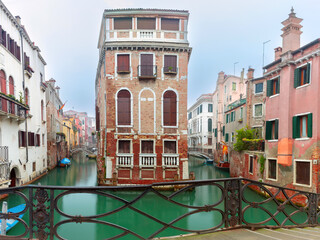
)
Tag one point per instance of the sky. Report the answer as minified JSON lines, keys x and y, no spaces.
{"x":221,"y":33}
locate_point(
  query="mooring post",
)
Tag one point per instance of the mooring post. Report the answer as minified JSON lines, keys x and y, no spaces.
{"x":4,"y":221}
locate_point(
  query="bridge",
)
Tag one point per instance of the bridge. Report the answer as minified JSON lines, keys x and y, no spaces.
{"x":79,"y":149}
{"x":281,"y":208}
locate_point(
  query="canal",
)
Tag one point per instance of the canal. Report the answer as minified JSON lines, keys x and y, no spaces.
{"x":83,"y":172}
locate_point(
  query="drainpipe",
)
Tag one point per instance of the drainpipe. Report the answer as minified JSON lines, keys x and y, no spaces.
{"x":24,"y":93}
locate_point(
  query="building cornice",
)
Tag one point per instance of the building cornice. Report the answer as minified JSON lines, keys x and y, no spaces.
{"x":147,"y":11}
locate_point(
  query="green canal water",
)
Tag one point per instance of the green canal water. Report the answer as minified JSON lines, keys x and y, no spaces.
{"x":83,"y":173}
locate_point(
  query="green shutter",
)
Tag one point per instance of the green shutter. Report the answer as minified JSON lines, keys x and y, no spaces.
{"x":269,"y":88}
{"x":310,"y":125}
{"x":296,"y":77}
{"x":295,"y":127}
{"x":209,"y":125}
{"x":223,"y":130}
{"x":216,"y":132}
{"x":278,"y":86}
{"x":308,"y":72}
{"x":276,"y":129}
{"x":227,"y":137}
{"x":234,"y":115}
{"x":268,"y":130}
{"x":201,"y":108}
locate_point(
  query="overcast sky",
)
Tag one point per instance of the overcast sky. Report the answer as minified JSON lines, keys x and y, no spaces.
{"x":220,"y":33}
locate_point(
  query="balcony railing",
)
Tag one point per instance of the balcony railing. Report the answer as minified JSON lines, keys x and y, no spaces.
{"x":125,"y":160}
{"x":4,"y":163}
{"x":170,"y":70}
{"x":147,"y":160}
{"x":146,"y":34}
{"x":147,"y":71}
{"x":170,"y":160}
{"x":12,"y":108}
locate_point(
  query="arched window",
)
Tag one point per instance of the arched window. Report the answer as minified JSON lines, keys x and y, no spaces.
{"x":124,"y":107}
{"x":11,"y":86}
{"x":42,"y":110}
{"x":169,"y":108}
{"x":209,"y":125}
{"x":3,"y":82}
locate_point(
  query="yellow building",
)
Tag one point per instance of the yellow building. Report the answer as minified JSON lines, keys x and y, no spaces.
{"x":68,"y":130}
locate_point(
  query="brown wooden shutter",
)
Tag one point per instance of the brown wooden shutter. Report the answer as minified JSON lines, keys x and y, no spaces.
{"x":303,"y":172}
{"x":170,"y":24}
{"x":122,"y":23}
{"x":147,"y":146}
{"x":124,"y":107}
{"x":170,"y":63}
{"x":146,"y":23}
{"x":97,"y":119}
{"x":1,"y":42}
{"x":123,"y":63}
{"x":170,"y":108}
{"x":4,"y":38}
{"x":146,"y":65}
{"x":170,"y":147}
{"x":124,"y":146}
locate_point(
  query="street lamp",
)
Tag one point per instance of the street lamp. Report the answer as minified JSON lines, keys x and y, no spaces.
{"x":263,"y":54}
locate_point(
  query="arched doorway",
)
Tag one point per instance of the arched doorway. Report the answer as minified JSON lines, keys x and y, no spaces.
{"x":13,"y":178}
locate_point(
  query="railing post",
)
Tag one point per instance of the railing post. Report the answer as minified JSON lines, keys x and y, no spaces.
{"x":232,"y":203}
{"x":312,"y":212}
{"x":4,"y":221}
{"x":31,"y":213}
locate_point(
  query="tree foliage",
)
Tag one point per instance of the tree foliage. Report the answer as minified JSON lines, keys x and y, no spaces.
{"x":245,"y":137}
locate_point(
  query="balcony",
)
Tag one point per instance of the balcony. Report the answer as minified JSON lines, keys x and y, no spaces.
{"x":125,"y":160}
{"x":170,"y":70}
{"x":43,"y":86}
{"x":28,"y":71}
{"x":147,"y":71}
{"x":12,"y":108}
{"x":147,"y":160}
{"x":4,"y":164}
{"x":170,"y":160}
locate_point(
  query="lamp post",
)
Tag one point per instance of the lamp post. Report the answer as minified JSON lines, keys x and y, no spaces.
{"x":263,"y":54}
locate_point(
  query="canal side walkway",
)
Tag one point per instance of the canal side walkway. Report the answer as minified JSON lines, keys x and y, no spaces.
{"x":261,"y":234}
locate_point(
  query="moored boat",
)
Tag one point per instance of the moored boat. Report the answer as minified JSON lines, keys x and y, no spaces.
{"x":64,"y":162}
{"x":12,"y":222}
{"x":223,"y":166}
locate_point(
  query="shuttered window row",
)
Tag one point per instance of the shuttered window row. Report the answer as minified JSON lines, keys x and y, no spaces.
{"x":9,"y":43}
{"x":273,"y":87}
{"x":33,"y":139}
{"x":125,"y":23}
{"x":272,"y":129}
{"x":302,"y":126}
{"x":302,"y":75}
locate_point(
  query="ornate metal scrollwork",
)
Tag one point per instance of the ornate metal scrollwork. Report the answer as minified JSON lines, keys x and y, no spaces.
{"x":233,"y":203}
{"x":41,"y":215}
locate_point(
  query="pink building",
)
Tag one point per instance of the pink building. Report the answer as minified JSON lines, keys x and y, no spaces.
{"x":292,"y":108}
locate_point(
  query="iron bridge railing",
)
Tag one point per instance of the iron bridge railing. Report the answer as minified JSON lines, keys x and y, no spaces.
{"x":233,"y":203}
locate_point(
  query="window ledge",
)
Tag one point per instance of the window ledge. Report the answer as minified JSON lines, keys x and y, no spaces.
{"x":275,"y":95}
{"x":302,"y":185}
{"x":302,"y":139}
{"x":257,"y":116}
{"x":170,"y":126}
{"x":124,"y":126}
{"x":272,"y":179}
{"x":302,"y":86}
{"x":257,"y":94}
{"x":273,"y":140}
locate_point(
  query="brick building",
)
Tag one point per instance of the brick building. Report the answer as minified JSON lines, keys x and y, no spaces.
{"x":141,"y":96}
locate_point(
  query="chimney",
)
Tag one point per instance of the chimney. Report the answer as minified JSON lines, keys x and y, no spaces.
{"x":250,"y":73}
{"x":57,"y":91}
{"x":291,"y":32}
{"x":18,"y":19}
{"x":220,"y":77}
{"x":277,"y":53}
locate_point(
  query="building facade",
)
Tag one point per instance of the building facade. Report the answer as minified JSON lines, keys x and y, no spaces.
{"x":200,"y":124}
{"x":141,"y":96}
{"x":22,"y":111}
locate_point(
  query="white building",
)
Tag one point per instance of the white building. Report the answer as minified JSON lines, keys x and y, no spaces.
{"x":22,"y":112}
{"x":200,"y":116}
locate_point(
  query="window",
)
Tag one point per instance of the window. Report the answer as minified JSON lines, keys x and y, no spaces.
{"x":146,"y":68}
{"x":227,"y":137}
{"x":209,"y":125}
{"x":169,"y":108}
{"x":122,"y":23}
{"x":37,"y":140}
{"x":31,"y":139}
{"x":272,"y":129}
{"x":209,"y":141}
{"x":170,"y":147}
{"x":42,"y":139}
{"x":258,"y":88}
{"x":272,"y":169}
{"x":189,"y":115}
{"x":273,"y":87}
{"x":146,"y":23}
{"x":241,"y":113}
{"x":302,"y":126}
{"x":258,"y":110}
{"x":3,"y":82}
{"x":232,"y":137}
{"x":302,"y":75}
{"x":216,"y":132}
{"x":124,"y":146}
{"x":170,"y":64}
{"x":11,"y":86}
{"x":147,"y":146}
{"x":22,"y":138}
{"x":42,"y":110}
{"x":170,"y":24}
{"x":124,"y":107}
{"x":302,"y":172}
{"x":123,"y":63}
{"x":210,"y":107}
{"x":200,"y":108}
{"x":234,"y":86}
{"x":33,"y":166}
{"x":251,"y":164}
{"x":233,"y":116}
{"x":223,"y":130}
